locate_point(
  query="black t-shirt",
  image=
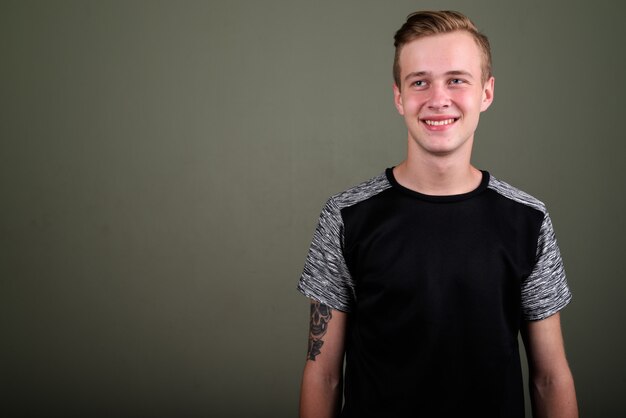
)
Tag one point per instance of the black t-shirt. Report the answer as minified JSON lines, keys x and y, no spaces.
{"x":436,"y":288}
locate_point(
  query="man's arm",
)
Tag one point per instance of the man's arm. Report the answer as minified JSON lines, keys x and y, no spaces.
{"x":320,"y":396}
{"x":551,"y":382}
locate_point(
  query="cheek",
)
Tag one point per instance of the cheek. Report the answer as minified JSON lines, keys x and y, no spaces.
{"x":468,"y":101}
{"x":412,"y":104}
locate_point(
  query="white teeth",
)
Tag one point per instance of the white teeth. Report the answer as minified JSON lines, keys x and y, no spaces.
{"x":438,"y":122}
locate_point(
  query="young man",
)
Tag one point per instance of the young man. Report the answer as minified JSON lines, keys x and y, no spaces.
{"x":424,"y":275}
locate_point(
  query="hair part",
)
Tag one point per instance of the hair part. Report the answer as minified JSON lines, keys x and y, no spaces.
{"x":428,"y":23}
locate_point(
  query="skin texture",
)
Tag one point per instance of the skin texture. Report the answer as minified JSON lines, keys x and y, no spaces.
{"x":320,"y":396}
{"x":320,"y":316}
{"x":551,"y":382}
{"x":441,"y":80}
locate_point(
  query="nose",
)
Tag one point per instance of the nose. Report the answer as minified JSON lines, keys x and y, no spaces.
{"x":439,"y":98}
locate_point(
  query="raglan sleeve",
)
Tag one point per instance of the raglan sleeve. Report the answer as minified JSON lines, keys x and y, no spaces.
{"x":546,"y":290}
{"x":326,"y":277}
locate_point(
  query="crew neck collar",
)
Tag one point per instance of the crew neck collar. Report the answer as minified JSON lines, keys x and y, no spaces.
{"x":439,"y":198}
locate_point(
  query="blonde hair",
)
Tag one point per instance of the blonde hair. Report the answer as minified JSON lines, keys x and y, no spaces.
{"x":428,"y":23}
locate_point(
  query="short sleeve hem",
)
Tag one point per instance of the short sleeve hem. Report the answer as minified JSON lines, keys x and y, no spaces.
{"x":312,"y":294}
{"x":537,"y":316}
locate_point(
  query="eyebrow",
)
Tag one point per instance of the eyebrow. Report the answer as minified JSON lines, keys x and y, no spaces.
{"x":427,"y":73}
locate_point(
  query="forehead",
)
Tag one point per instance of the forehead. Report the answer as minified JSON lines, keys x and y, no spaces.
{"x":441,"y":53}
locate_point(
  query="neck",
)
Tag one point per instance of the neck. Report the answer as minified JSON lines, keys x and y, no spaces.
{"x":438,"y":175}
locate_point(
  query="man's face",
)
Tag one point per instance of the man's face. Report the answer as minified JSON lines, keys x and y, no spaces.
{"x":442,"y":93}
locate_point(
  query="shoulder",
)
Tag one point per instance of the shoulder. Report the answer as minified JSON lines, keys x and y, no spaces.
{"x":507,"y":191}
{"x":359,"y":193}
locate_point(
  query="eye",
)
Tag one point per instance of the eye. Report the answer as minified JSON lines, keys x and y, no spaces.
{"x":457,"y":81}
{"x":419,"y":83}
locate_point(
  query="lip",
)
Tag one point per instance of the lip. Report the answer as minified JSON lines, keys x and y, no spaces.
{"x":439,"y":122}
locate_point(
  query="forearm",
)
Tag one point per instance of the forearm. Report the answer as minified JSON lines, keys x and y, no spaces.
{"x":554,"y":397}
{"x":320,"y":396}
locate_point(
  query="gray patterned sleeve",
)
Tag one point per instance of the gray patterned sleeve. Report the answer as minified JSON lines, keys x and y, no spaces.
{"x":326,"y":277}
{"x":545,"y":291}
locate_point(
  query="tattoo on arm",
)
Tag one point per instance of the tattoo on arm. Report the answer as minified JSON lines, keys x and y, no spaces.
{"x":320,"y":316}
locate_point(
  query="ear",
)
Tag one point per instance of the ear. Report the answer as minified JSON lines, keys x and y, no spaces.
{"x":487,"y":94}
{"x":397,"y":99}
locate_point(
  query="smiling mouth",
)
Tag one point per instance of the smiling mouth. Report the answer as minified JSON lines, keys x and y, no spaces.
{"x":443,"y":122}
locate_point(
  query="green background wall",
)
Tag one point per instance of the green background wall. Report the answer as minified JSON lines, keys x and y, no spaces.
{"x":163,"y":164}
